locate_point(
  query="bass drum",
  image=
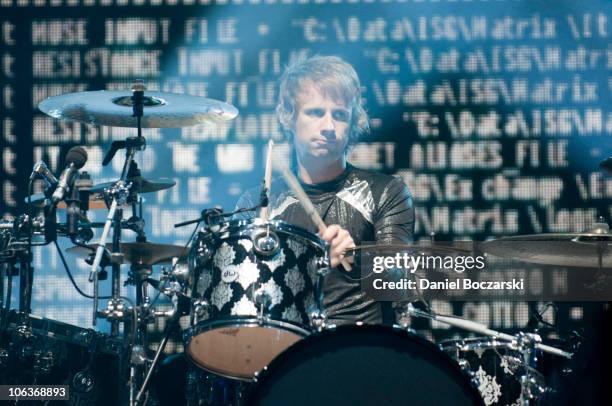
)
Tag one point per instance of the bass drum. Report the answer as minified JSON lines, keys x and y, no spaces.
{"x":363,"y":365}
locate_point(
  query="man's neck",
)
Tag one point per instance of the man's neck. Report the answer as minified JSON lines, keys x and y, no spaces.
{"x":315,"y":172}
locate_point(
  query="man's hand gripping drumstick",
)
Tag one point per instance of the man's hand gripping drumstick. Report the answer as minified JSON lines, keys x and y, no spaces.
{"x":338,"y":238}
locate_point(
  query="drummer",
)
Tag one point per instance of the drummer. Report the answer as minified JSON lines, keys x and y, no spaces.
{"x":321,"y":114}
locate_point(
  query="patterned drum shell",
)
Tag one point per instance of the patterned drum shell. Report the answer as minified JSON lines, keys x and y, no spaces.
{"x":258,"y":280}
{"x":496,"y":368}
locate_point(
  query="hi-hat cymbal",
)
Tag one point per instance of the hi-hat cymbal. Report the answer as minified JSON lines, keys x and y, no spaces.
{"x":95,"y":202}
{"x":592,"y":249}
{"x":96,"y":198}
{"x":139,"y":253}
{"x":139,"y":185}
{"x":114,"y":108}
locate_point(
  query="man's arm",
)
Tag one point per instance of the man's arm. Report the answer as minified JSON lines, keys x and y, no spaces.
{"x":394,"y":220}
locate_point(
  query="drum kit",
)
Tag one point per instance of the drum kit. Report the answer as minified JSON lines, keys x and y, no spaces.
{"x":251,"y":288}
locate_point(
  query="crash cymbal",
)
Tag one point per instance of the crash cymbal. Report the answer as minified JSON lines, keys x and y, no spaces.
{"x":114,"y":108}
{"x":95,"y":202}
{"x":449,"y":248}
{"x":592,"y":249}
{"x":140,"y":185}
{"x":139,"y":253}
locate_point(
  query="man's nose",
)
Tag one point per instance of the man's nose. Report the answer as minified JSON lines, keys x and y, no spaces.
{"x":328,"y":123}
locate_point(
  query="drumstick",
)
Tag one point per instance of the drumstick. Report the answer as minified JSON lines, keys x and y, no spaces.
{"x":309,"y":208}
{"x":263,"y":213}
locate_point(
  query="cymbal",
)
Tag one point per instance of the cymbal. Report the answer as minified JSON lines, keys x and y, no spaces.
{"x":139,"y":253}
{"x":96,"y":197}
{"x":449,"y":248}
{"x":592,"y":249}
{"x":95,"y":202}
{"x":114,"y":108}
{"x":139,"y":185}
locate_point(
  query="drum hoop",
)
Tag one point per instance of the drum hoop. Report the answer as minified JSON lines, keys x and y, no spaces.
{"x":286,"y":355}
{"x":244,"y":227}
{"x":476,"y":344}
{"x":205,"y":326}
{"x":240,"y":321}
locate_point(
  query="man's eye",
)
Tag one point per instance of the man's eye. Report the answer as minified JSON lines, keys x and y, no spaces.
{"x":341,"y":115}
{"x":315,"y":112}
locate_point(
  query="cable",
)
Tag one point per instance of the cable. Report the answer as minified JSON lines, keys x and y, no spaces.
{"x":71,"y":278}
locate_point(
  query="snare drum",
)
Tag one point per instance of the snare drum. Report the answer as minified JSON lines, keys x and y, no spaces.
{"x":256,"y":284}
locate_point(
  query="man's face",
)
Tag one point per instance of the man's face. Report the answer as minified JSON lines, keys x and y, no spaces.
{"x":321,"y":126}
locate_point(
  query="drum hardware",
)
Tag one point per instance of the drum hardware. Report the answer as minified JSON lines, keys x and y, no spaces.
{"x":266,"y":243}
{"x":212,"y":216}
{"x":499,"y":368}
{"x":172,"y":323}
{"x":139,"y":185}
{"x":120,"y":193}
{"x":527,"y":344}
{"x":59,"y":353}
{"x":166,"y":111}
{"x":480,"y":329}
{"x":179,"y":272}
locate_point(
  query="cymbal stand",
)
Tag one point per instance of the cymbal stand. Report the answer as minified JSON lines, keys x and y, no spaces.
{"x":171,"y":324}
{"x":120,"y":192}
{"x":481,"y":329}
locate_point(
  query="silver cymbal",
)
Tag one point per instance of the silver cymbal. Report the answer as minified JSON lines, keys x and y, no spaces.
{"x":139,"y":253}
{"x":592,"y":249}
{"x":450,"y":248}
{"x":140,"y":185}
{"x":114,"y":108}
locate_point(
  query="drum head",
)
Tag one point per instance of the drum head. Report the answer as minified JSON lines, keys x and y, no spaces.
{"x":239,"y":349}
{"x":363,"y":365}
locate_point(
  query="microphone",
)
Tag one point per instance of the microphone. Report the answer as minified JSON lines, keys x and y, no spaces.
{"x":41,"y":169}
{"x":75,"y":160}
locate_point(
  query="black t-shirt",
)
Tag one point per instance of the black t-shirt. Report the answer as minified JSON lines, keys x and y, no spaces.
{"x":372,"y":207}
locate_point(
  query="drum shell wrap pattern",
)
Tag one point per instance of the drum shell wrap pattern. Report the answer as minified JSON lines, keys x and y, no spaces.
{"x":230,"y":273}
{"x":496,"y":368}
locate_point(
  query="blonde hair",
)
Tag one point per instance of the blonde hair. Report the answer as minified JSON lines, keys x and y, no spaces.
{"x":334,"y":78}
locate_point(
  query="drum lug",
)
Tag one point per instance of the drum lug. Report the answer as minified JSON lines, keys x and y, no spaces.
{"x":266,"y":243}
{"x":201,"y":309}
{"x":323,"y":265}
{"x":263,"y":301}
{"x":318,"y":320}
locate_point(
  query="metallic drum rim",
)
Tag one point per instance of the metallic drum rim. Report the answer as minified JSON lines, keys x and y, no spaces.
{"x":244,"y":227}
